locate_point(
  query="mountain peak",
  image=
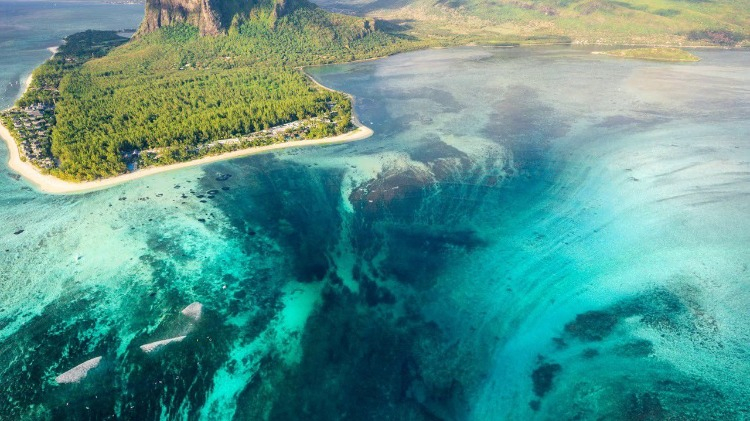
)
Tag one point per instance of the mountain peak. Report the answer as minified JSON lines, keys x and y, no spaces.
{"x":212,"y":17}
{"x":201,"y":13}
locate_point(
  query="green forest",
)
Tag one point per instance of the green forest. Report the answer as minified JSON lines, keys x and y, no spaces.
{"x":176,"y":90}
{"x":74,"y":53}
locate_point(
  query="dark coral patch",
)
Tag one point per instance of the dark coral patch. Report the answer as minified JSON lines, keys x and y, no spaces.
{"x":543,"y":378}
{"x":645,"y":407}
{"x":639,"y":348}
{"x":592,"y":325}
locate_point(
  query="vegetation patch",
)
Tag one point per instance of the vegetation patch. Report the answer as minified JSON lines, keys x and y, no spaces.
{"x":717,"y":37}
{"x":667,"y":12}
{"x":656,"y":54}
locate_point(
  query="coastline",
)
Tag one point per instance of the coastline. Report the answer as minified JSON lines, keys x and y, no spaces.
{"x":50,"y":184}
{"x":53,"y":185}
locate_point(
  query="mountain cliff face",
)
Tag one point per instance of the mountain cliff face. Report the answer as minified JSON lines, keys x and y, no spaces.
{"x":201,"y":13}
{"x":212,"y":17}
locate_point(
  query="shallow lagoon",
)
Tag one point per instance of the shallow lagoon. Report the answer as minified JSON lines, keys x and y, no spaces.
{"x":531,"y":233}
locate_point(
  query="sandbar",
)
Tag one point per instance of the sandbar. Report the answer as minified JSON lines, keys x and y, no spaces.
{"x":150,"y":347}
{"x":193,"y":311}
{"x":75,"y":374}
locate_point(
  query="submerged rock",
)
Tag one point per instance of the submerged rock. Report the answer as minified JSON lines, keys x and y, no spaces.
{"x":193,"y":311}
{"x":645,"y":407}
{"x":592,"y":326}
{"x":543,"y":378}
{"x":153,"y":346}
{"x":77,"y":373}
{"x":638,"y":348}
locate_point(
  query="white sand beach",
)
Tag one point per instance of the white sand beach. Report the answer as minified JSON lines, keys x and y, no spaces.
{"x":27,"y":82}
{"x":51,"y":184}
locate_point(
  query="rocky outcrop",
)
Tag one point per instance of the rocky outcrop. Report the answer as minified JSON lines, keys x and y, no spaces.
{"x":282,"y":7}
{"x":212,"y":17}
{"x":201,"y":13}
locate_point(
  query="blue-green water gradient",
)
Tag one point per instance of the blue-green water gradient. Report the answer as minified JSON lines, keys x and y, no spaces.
{"x":531,"y":233}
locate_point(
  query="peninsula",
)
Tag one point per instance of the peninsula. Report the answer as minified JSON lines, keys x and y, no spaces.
{"x":199,"y":82}
{"x":51,"y":184}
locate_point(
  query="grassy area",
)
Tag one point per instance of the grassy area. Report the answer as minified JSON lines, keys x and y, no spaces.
{"x":656,"y":54}
{"x":611,"y":22}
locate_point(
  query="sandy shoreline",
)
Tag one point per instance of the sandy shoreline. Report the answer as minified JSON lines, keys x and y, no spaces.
{"x":27,"y":82}
{"x":50,"y":184}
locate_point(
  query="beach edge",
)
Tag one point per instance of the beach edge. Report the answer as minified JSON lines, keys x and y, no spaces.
{"x":50,"y":184}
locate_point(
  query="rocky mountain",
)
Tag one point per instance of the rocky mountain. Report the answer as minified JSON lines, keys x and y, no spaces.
{"x":212,"y":17}
{"x":201,"y":13}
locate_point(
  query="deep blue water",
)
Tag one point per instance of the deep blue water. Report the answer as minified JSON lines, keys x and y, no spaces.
{"x":531,"y":233}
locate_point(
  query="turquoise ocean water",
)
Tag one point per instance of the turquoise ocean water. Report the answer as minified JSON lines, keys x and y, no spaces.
{"x":535,"y":233}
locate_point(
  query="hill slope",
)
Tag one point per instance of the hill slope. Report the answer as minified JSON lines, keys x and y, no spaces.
{"x":690,"y":22}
